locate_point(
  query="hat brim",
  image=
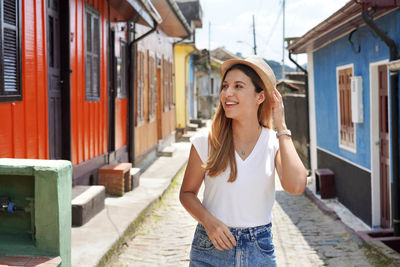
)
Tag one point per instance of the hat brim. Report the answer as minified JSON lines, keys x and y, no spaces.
{"x":264,"y":77}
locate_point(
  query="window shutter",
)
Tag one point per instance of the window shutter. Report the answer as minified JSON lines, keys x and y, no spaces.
{"x":10,"y":88}
{"x":92,"y":53}
{"x":346,"y":125}
{"x":96,"y":57}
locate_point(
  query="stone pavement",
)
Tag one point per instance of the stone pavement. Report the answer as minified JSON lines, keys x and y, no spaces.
{"x":303,"y":236}
{"x":94,"y":242}
{"x":165,"y":237}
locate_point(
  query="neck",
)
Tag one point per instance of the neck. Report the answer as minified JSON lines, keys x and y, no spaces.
{"x":245,"y":129}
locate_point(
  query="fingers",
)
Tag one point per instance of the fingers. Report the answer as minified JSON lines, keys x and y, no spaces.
{"x":228,"y":240}
{"x":223,"y":239}
{"x":216,"y":245}
{"x":276,"y":95}
{"x":231,"y":238}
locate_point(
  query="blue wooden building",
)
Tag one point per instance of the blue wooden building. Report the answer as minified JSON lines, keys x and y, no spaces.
{"x":350,"y":110}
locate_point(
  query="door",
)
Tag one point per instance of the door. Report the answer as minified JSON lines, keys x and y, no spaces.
{"x":384,"y":147}
{"x":54,"y":80}
{"x":111,"y":93}
{"x":121,"y":100}
{"x":118,"y":92}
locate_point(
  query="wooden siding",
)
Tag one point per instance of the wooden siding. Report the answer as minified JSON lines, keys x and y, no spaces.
{"x":157,"y":45}
{"x":168,"y":122}
{"x":88,"y":119}
{"x":24,"y":130}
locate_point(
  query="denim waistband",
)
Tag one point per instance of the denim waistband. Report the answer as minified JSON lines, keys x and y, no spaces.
{"x":250,"y":232}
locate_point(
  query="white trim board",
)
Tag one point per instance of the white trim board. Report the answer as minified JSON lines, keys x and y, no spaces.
{"x":374,"y":141}
{"x":344,"y":159}
{"x":312,"y":118}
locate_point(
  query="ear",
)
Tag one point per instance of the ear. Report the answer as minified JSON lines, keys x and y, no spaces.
{"x":260,"y":97}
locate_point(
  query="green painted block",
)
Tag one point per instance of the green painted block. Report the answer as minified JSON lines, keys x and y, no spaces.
{"x":43,"y":188}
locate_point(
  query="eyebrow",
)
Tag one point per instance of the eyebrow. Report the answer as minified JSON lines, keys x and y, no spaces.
{"x":234,"y":82}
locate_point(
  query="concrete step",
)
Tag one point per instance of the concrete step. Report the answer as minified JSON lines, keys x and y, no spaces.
{"x":166,"y":151}
{"x":87,"y":201}
{"x":135,"y":177}
{"x":192,"y":126}
{"x":186,"y":136}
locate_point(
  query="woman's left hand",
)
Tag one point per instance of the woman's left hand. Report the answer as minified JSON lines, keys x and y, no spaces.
{"x":278,"y":111}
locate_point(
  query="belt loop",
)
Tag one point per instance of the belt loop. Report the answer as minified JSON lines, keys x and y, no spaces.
{"x":252,"y":234}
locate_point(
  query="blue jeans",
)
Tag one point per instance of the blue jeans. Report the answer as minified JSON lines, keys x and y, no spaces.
{"x":254,"y":248}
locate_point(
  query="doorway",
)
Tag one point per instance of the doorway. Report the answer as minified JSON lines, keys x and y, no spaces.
{"x":384,"y":159}
{"x":57,"y":30}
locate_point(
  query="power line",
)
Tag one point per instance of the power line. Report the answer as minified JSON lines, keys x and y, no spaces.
{"x":272,"y":30}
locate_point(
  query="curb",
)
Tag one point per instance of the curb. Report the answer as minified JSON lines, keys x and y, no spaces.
{"x":376,"y":247}
{"x":135,"y":224}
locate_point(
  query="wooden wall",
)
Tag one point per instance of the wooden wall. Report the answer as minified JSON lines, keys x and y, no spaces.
{"x":88,"y":119}
{"x":168,"y":122}
{"x":24,"y":124}
{"x":159,"y":45}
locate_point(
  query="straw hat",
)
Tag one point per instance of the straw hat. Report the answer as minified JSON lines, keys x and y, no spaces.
{"x":259,"y":65}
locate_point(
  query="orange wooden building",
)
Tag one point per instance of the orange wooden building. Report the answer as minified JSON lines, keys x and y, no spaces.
{"x":87,"y":81}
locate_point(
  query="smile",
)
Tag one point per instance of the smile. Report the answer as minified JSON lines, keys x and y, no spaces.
{"x":230,"y":104}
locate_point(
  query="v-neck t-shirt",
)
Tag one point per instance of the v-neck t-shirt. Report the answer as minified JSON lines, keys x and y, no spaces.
{"x":248,"y":201}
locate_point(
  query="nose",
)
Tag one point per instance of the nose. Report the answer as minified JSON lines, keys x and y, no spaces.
{"x":228,"y":91}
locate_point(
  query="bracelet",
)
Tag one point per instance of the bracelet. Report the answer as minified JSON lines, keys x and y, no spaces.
{"x":284,"y":132}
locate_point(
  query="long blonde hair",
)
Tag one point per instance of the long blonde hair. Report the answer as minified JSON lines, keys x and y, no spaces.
{"x":221,"y":149}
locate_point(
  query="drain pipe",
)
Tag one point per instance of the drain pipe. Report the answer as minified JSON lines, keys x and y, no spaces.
{"x":307,"y":108}
{"x":131,"y":85}
{"x":394,"y":111}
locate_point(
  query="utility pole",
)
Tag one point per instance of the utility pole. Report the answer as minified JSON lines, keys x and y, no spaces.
{"x":254,"y":37}
{"x":283,"y":40}
{"x":210,"y":90}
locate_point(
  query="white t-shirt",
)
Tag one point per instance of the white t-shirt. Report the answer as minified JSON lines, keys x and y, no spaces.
{"x":248,"y":201}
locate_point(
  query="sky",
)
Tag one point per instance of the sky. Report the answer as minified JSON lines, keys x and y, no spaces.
{"x":231,"y":24}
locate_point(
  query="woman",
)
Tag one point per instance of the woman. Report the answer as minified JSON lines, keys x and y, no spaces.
{"x":237,"y":162}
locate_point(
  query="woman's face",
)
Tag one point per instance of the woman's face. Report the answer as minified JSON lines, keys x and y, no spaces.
{"x":238,"y":95}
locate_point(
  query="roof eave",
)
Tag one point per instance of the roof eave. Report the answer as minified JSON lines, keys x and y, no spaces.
{"x":341,"y":23}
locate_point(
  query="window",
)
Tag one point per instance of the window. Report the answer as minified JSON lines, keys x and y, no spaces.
{"x":122,"y":71}
{"x":167,"y":85}
{"x":212,"y":86}
{"x":347,"y":130}
{"x":10,"y":53}
{"x":139,"y":87}
{"x":92,"y":53}
{"x":152,"y":87}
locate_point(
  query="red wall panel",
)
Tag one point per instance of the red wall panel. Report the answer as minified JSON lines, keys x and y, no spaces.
{"x":24,"y":130}
{"x":88,"y":119}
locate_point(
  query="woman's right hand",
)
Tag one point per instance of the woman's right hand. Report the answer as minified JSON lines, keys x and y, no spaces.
{"x":219,"y":234}
{"x":216,"y":230}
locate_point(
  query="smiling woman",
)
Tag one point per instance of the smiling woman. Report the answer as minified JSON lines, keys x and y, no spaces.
{"x":237,"y":162}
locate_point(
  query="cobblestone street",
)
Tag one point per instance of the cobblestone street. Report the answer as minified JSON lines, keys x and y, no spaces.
{"x":303,"y":236}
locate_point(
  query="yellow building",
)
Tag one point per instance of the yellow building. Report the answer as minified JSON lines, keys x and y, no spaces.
{"x":184,"y":83}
